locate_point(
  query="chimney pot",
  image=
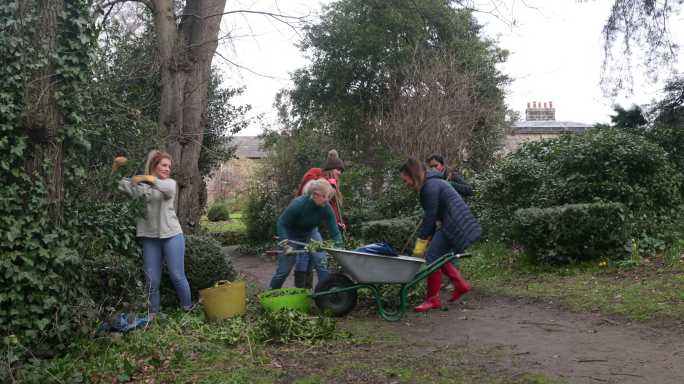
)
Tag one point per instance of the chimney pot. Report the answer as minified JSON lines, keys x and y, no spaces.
{"x":545,"y":104}
{"x":550,"y":104}
{"x":534,"y":104}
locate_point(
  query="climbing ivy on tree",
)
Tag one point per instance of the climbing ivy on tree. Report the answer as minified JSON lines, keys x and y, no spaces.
{"x":39,"y":263}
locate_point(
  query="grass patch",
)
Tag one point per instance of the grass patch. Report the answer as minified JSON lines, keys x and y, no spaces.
{"x":228,"y":232}
{"x":183,"y":348}
{"x":643,"y":289}
{"x":233,"y":225}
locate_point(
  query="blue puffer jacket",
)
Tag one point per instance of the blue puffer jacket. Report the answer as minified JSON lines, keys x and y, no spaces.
{"x":442,"y":203}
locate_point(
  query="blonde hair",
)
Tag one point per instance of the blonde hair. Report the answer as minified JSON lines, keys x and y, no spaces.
{"x":320,"y":187}
{"x":154,"y":158}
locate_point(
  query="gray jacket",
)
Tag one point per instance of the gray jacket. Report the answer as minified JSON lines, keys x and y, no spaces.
{"x":160,"y":219}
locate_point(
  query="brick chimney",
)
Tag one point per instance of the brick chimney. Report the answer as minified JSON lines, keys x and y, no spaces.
{"x":540,"y":111}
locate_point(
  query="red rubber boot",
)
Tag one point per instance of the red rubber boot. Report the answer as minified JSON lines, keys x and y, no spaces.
{"x":434,"y":281}
{"x":461,"y":285}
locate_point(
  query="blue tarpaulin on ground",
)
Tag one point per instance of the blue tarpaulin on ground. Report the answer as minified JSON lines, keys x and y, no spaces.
{"x":122,"y":324}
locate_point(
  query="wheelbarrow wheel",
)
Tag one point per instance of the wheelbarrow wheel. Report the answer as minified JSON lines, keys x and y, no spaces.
{"x":336,"y":304}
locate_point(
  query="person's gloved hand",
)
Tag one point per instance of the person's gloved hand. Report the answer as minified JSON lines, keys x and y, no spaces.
{"x":288,"y":250}
{"x":343,"y":227}
{"x":118,"y":162}
{"x":143,"y":179}
{"x":419,"y":249}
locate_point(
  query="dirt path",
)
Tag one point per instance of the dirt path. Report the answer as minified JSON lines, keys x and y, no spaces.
{"x":581,"y":348}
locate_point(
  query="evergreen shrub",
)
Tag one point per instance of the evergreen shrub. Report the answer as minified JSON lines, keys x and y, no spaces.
{"x":600,"y":165}
{"x":218,"y":212}
{"x":230,"y":237}
{"x":266,"y":203}
{"x":205,"y":264}
{"x":572,"y":232}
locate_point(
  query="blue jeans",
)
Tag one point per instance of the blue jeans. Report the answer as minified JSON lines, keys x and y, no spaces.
{"x":439,"y":245}
{"x":317,"y":260}
{"x":300,"y":260}
{"x":172,"y":252}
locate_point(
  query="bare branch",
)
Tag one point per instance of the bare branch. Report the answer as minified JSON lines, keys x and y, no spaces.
{"x":637,"y":23}
{"x":102,"y":4}
{"x":246,"y":68}
{"x":435,"y":109}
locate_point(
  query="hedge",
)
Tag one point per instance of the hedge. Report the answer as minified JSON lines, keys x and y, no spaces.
{"x":573,"y":232}
{"x":600,"y":165}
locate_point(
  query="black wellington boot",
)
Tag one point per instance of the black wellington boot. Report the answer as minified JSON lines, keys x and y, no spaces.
{"x":300,"y":279}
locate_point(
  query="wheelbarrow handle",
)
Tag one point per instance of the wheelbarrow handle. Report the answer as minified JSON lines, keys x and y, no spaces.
{"x":303,"y":244}
{"x":295,"y":242}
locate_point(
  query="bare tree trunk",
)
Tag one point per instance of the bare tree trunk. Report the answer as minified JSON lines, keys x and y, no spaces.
{"x":186,"y":51}
{"x":42,"y":119}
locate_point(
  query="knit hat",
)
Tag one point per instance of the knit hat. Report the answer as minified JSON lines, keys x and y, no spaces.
{"x":333,"y":161}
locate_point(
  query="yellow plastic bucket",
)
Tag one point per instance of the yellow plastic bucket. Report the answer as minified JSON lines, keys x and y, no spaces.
{"x":224,"y":299}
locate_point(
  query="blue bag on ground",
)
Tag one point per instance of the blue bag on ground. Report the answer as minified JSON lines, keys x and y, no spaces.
{"x":121,"y":323}
{"x":378,"y":249}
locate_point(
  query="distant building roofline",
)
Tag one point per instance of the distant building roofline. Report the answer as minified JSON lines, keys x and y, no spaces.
{"x":248,"y":147}
{"x":548,"y":126}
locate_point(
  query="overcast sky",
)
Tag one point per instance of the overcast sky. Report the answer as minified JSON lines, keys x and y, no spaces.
{"x":555,"y":45}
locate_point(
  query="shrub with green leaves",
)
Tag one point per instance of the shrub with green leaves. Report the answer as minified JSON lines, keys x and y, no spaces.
{"x":265,"y":205}
{"x":205,"y":264}
{"x":112,"y":257}
{"x":670,"y":138}
{"x":219,"y":212}
{"x":372,"y":194}
{"x":398,"y":232}
{"x":572,"y":232}
{"x":513,"y":183}
{"x":600,"y":165}
{"x":230,"y":237}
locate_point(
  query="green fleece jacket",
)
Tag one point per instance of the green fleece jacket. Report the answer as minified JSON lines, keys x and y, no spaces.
{"x":303,"y":215}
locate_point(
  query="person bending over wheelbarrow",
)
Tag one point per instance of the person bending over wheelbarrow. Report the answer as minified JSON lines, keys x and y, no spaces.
{"x":299,"y":221}
{"x":331,"y":171}
{"x":459,"y":229}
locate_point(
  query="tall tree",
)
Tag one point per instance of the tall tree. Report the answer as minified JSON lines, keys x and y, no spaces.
{"x":638,"y":23}
{"x":187,"y":43}
{"x":42,"y":118}
{"x":187,"y":35}
{"x":45,"y":55}
{"x":360,"y":51}
{"x":628,"y":118}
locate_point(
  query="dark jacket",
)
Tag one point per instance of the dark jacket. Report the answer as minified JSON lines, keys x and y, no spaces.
{"x":458,"y":182}
{"x":442,"y":203}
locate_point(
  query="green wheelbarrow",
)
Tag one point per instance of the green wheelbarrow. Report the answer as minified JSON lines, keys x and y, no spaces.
{"x":337,"y":295}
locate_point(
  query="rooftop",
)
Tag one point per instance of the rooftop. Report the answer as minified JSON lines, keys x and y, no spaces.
{"x":248,"y":147}
{"x":549,"y":126}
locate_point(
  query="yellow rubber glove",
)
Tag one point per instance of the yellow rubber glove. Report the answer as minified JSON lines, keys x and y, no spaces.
{"x":143,"y":179}
{"x":421,"y":246}
{"x":118,"y":162}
